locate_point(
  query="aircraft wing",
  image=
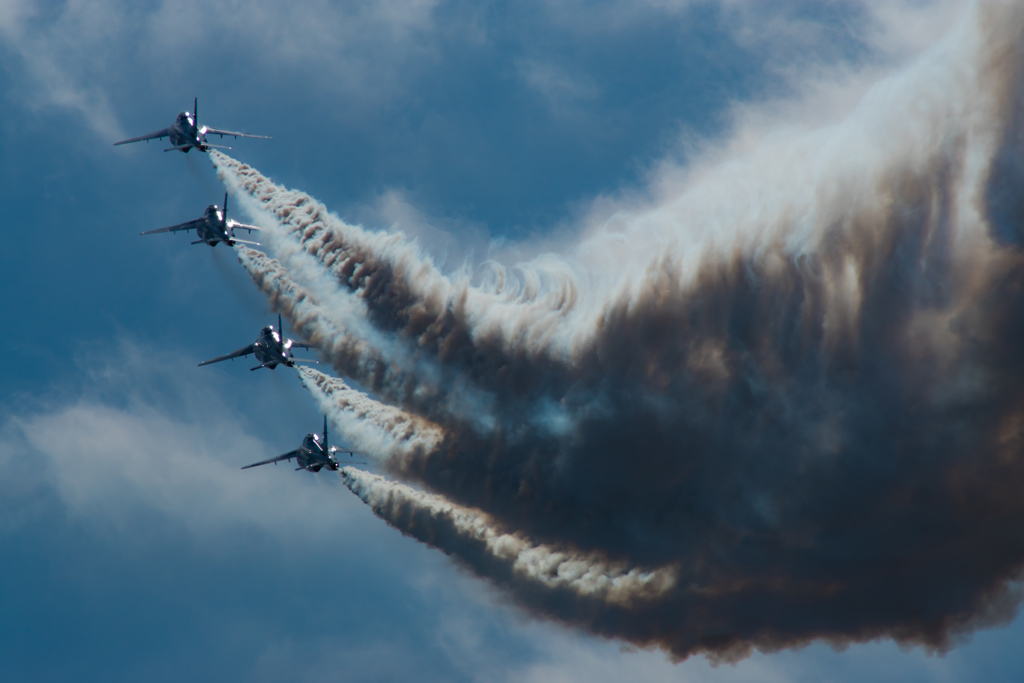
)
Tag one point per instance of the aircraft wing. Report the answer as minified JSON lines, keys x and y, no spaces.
{"x":190,"y":225}
{"x":222,"y":133}
{"x":234,"y":354}
{"x":301,"y":345}
{"x":162,"y":133}
{"x":287,"y":456}
{"x":235,"y":225}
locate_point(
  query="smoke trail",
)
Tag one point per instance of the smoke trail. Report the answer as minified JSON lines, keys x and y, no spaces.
{"x":405,"y":295}
{"x":375,"y":428}
{"x":313,"y":321}
{"x":494,"y":553}
{"x":364,"y":263}
{"x":795,"y":379}
{"x":404,"y":378}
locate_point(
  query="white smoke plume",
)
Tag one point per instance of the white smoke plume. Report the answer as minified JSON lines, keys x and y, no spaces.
{"x":376,"y":428}
{"x":792,"y":380}
{"x":409,"y":378}
{"x":521,"y":309}
{"x":314,"y":321}
{"x":511,"y":555}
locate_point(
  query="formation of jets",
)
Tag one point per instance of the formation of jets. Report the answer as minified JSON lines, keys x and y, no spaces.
{"x":271,"y":348}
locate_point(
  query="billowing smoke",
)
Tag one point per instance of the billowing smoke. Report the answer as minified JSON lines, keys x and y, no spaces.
{"x":783,"y":402}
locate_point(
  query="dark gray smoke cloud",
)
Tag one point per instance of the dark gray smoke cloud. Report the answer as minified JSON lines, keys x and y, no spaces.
{"x":785,"y":404}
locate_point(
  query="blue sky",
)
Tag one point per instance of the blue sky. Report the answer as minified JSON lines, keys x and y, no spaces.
{"x":132,"y":546}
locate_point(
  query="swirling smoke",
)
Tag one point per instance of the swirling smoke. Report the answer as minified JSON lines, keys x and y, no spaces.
{"x":784,"y":403}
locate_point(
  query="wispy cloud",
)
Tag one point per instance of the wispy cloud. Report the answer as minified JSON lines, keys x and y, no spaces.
{"x":50,"y":64}
{"x":563,"y":91}
{"x":143,"y":441}
{"x":83,"y":56}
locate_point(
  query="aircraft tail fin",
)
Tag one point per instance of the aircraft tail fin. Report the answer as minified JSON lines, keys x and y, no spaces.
{"x":224,"y":225}
{"x":195,"y":112}
{"x":327,"y":449}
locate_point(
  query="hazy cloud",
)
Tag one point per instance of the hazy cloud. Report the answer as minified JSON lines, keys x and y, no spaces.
{"x":559,"y":88}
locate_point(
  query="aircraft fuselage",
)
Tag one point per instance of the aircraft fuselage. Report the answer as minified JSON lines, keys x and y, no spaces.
{"x":213,"y":228}
{"x":313,"y":457}
{"x":269,"y":349}
{"x":184,"y":134}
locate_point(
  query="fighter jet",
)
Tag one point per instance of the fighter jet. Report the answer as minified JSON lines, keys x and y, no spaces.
{"x":312,"y":455}
{"x":271,"y":349}
{"x":185,"y":133}
{"x":213,"y":228}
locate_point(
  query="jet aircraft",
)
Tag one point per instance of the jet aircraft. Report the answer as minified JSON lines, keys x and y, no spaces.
{"x":271,"y":349}
{"x":213,"y":228}
{"x":312,"y":455}
{"x":186,"y":133}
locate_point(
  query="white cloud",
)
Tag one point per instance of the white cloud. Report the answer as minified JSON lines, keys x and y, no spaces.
{"x":84,"y":55}
{"x":563,"y":91}
{"x":52,"y":66}
{"x":13,"y":13}
{"x":147,"y":442}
